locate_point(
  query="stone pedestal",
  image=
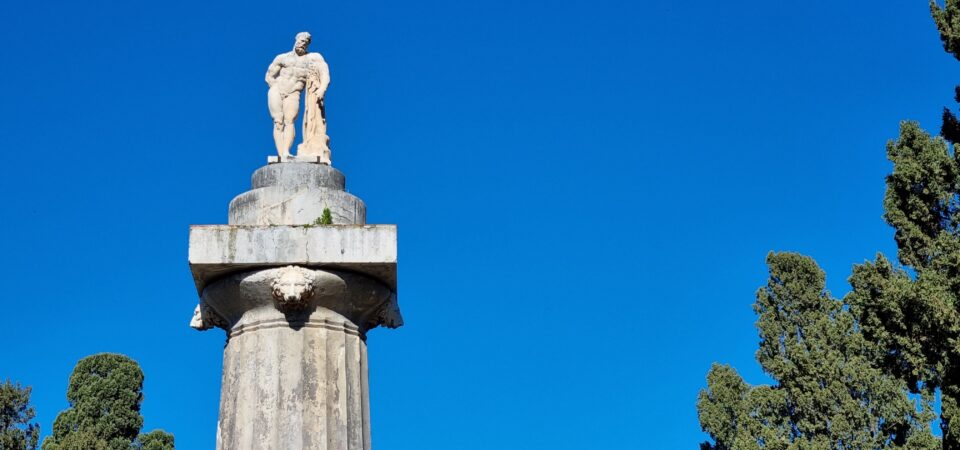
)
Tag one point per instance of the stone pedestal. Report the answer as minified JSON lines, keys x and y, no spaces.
{"x":296,"y":301}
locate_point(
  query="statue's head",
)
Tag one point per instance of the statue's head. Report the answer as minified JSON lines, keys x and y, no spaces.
{"x":302,"y":42}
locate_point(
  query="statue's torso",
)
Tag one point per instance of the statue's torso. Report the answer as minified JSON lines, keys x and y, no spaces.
{"x":295,"y":69}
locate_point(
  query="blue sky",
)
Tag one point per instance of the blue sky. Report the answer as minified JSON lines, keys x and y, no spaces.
{"x":585,"y":192}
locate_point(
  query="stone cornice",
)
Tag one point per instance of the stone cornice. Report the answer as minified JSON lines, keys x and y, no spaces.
{"x":220,"y":250}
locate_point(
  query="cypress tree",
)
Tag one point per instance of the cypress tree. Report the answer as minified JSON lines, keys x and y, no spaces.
{"x":912,"y":313}
{"x":105,"y":393}
{"x":829,"y":392}
{"x":909,"y":315}
{"x":947,"y":20}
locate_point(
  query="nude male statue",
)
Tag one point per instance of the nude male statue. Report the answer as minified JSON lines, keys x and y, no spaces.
{"x":288,"y":75}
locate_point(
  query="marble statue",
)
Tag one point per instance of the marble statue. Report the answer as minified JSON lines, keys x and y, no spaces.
{"x":289,"y":75}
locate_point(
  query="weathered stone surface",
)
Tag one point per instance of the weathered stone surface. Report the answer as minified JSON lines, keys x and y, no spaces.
{"x":244,"y":299}
{"x":285,"y":388}
{"x":296,"y":379}
{"x":298,"y":176}
{"x":278,"y":206}
{"x":296,"y":194}
{"x":217,"y":250}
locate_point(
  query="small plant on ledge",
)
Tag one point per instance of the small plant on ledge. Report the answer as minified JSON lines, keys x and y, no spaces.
{"x":325,"y":219}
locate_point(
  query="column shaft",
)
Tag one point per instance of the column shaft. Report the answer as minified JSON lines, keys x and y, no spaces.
{"x":295,"y":387}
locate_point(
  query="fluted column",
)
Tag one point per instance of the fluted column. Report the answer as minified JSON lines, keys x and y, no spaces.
{"x":296,"y":300}
{"x":295,"y":363}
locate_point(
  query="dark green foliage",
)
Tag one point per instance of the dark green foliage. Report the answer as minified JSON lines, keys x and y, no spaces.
{"x":947,"y":20}
{"x":901,"y":324}
{"x":913,"y":315}
{"x":79,"y":440}
{"x":950,"y":130}
{"x":829,"y":394}
{"x":155,"y":440}
{"x":17,"y":431}
{"x":921,"y":201}
{"x":105,"y":393}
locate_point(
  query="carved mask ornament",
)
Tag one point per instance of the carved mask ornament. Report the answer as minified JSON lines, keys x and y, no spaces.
{"x":293,"y":288}
{"x":204,"y":318}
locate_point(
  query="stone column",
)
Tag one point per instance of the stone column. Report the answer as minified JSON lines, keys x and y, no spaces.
{"x":296,"y":300}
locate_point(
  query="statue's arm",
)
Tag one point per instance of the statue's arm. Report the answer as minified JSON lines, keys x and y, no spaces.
{"x":324,"y":75}
{"x":273,"y":71}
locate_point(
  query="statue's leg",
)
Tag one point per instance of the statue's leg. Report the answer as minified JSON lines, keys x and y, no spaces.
{"x":275,"y":104}
{"x":291,"y":108}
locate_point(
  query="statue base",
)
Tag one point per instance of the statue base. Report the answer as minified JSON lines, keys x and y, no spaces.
{"x":315,"y":159}
{"x":315,"y":148}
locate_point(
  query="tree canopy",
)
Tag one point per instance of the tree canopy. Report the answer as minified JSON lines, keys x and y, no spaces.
{"x":912,"y":313}
{"x":947,"y":20}
{"x":829,"y":393}
{"x":155,"y":440}
{"x":105,"y":393}
{"x":900,"y":323}
{"x":17,"y":429}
